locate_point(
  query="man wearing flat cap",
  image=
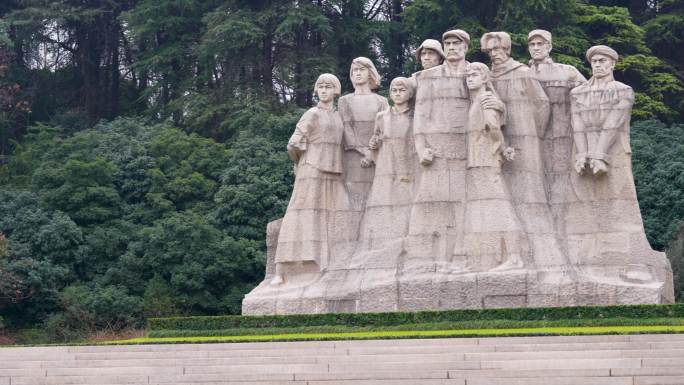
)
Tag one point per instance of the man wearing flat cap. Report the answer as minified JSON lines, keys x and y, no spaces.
{"x":527,"y":110}
{"x":439,"y":128}
{"x":606,"y":224}
{"x":600,"y":114}
{"x":557,"y":80}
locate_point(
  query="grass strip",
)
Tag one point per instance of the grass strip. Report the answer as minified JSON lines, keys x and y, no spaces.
{"x":399,"y":334}
{"x":494,"y":324}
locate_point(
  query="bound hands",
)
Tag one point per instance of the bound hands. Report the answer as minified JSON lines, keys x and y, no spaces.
{"x":598,"y":166}
{"x":581,"y":163}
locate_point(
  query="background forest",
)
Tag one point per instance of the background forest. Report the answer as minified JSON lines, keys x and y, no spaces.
{"x":142,"y":142}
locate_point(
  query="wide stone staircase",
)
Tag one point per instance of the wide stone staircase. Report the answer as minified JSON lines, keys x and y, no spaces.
{"x":591,"y":360}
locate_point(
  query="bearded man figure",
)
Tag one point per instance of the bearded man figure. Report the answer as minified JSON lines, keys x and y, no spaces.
{"x":528,"y":111}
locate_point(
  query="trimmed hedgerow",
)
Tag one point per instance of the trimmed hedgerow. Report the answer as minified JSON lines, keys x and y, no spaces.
{"x":422,"y":317}
{"x":463,"y":325}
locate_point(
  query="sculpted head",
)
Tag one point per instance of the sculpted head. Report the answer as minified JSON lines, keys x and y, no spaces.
{"x":602,"y":59}
{"x":362,"y":72}
{"x":539,"y":44}
{"x":477,"y":76}
{"x":430,"y":54}
{"x":456,"y":44}
{"x":327,"y":87}
{"x":497,"y":45}
{"x":402,"y":90}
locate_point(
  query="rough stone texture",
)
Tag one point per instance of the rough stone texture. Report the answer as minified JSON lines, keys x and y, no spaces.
{"x":453,"y":220}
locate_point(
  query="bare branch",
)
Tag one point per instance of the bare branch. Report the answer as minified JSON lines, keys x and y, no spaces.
{"x":374,"y":9}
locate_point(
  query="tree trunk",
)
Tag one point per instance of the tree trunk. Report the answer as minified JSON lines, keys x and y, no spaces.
{"x":397,"y":41}
{"x":267,"y":69}
{"x":115,"y":75}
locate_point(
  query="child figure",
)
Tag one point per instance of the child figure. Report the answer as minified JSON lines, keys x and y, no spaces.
{"x":315,"y":217}
{"x":385,"y":221}
{"x":493,"y":235}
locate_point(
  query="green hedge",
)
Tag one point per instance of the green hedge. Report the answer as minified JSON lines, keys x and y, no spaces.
{"x":463,"y":325}
{"x":422,"y":317}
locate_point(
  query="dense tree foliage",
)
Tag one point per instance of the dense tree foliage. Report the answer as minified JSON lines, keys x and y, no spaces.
{"x":142,"y":141}
{"x":658,"y":166}
{"x":118,"y":220}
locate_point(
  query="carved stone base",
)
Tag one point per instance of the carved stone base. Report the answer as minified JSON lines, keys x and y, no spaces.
{"x":435,"y":288}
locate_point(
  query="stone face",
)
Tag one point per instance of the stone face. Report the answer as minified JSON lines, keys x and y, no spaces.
{"x":479,"y":188}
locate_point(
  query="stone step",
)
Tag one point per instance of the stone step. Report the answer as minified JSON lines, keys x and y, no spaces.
{"x":81,"y":380}
{"x":114,"y":360}
{"x":553,"y":380}
{"x":473,"y":352}
{"x":436,"y":345}
{"x":675,"y":380}
{"x":385,"y":353}
{"x":590,"y":360}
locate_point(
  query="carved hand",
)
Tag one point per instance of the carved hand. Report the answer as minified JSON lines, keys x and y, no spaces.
{"x":294,"y":151}
{"x":366,"y":162}
{"x":426,"y":157}
{"x":599,"y":167}
{"x":509,"y":154}
{"x":374,"y":142}
{"x":580,"y":164}
{"x":489,"y":102}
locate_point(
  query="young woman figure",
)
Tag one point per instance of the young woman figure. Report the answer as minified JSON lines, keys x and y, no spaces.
{"x":315,"y":217}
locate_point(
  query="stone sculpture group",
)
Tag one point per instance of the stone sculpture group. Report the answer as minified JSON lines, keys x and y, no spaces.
{"x":502,"y":187}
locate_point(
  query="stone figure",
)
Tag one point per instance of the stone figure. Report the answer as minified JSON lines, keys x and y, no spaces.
{"x":315,"y":218}
{"x":557,"y":80}
{"x":527,"y":116}
{"x":358,"y":111}
{"x":386,"y":218}
{"x":494,"y":238}
{"x":430,"y":54}
{"x":604,"y":225}
{"x":450,"y":216}
{"x":439,"y":129}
